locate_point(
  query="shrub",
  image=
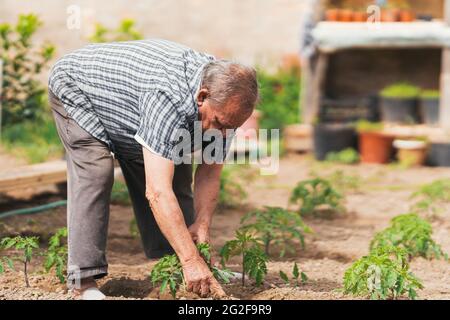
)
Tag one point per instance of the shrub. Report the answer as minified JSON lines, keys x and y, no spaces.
{"x":124,"y":32}
{"x":383,"y":274}
{"x":347,"y":156}
{"x":312,"y":194}
{"x":56,"y":256}
{"x":430,"y":94}
{"x":411,"y":233}
{"x":280,"y":98}
{"x":254,"y":260}
{"x":276,"y":226}
{"x":26,"y":245}
{"x":401,"y":90}
{"x":23,"y":96}
{"x":432,"y":197}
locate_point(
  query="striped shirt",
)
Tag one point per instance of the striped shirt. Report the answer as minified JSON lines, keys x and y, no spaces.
{"x":131,"y":94}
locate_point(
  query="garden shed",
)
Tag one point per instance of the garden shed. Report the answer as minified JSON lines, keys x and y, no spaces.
{"x":355,"y":60}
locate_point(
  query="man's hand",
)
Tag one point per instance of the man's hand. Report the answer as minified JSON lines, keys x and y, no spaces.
{"x":199,"y":232}
{"x":200,"y":280}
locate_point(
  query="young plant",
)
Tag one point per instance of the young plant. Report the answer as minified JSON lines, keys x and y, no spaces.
{"x":347,"y":156}
{"x":168,"y":271}
{"x":254,"y":260}
{"x":314,"y":193}
{"x":26,"y":245}
{"x":56,"y":255}
{"x":412,"y":233}
{"x":383,"y":274}
{"x":432,"y":197}
{"x":296,"y":276}
{"x":276,"y":226}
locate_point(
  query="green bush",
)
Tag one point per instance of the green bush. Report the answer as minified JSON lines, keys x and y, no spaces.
{"x":383,"y":274}
{"x":412,"y":233}
{"x":314,"y":194}
{"x":401,"y":90}
{"x":23,"y":95}
{"x":367,"y":126}
{"x":124,"y":32}
{"x":347,"y":156}
{"x":280,"y":98}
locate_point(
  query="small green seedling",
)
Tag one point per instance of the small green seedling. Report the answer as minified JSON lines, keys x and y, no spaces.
{"x":315,"y":193}
{"x":347,"y":156}
{"x":26,"y":245}
{"x":168,"y":271}
{"x":413,"y":234}
{"x":56,"y":255}
{"x":383,"y":274}
{"x":296,"y":276}
{"x":432,"y":197}
{"x":276,"y":226}
{"x":254,"y":260}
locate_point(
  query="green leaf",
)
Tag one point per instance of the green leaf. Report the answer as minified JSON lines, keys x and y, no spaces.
{"x":295,"y":271}
{"x":284,"y":277}
{"x":304,"y":277}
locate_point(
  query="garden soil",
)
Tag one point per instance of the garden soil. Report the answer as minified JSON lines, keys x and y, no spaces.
{"x":335,"y":243}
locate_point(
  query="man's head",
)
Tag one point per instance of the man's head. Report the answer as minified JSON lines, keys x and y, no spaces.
{"x":227,"y":96}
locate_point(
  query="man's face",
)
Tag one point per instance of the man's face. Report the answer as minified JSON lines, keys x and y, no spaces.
{"x":222,"y":118}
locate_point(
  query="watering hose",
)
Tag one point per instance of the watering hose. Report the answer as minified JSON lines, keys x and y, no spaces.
{"x":33,"y":210}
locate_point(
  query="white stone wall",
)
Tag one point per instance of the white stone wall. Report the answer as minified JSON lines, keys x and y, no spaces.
{"x":251,"y":31}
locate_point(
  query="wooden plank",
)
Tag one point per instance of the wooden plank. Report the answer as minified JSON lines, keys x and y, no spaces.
{"x":33,"y":175}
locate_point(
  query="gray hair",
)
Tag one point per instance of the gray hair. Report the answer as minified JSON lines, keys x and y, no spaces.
{"x":227,"y":80}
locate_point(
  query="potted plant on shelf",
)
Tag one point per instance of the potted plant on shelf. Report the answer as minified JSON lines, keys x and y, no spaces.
{"x":332,"y":14}
{"x":346,"y":15}
{"x":399,"y":103}
{"x":429,"y":106}
{"x":405,"y":14}
{"x":411,"y":152}
{"x":332,"y":137}
{"x":360,"y":14}
{"x":375,"y":146}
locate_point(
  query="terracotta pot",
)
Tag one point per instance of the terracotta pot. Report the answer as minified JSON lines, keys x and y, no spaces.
{"x":375,"y":147}
{"x":390,"y":15}
{"x":411,"y":153}
{"x":407,"y":16}
{"x":360,"y":16}
{"x":332,"y":15}
{"x":346,"y":15}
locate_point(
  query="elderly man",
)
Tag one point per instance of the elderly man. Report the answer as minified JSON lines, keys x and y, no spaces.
{"x":128,"y":101}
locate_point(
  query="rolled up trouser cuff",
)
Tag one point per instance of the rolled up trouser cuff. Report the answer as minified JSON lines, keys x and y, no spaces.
{"x":75,"y":274}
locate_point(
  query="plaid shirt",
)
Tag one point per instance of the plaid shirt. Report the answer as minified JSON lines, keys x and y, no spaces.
{"x":132,"y":94}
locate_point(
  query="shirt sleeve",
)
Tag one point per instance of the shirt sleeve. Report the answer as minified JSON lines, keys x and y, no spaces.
{"x":159,"y":122}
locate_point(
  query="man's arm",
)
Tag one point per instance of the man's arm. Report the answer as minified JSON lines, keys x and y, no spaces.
{"x":159,"y":175}
{"x":206,"y":192}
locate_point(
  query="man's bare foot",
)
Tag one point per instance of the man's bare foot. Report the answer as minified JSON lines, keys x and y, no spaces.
{"x":88,"y":290}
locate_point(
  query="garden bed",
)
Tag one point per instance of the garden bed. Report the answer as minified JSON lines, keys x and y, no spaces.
{"x":336,"y":242}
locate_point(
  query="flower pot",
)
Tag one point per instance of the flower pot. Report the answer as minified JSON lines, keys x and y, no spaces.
{"x":332,"y":15}
{"x":411,"y":152}
{"x":360,"y":16}
{"x":389,"y":15}
{"x":332,"y":137}
{"x":345,"y":15}
{"x":439,"y":155}
{"x":407,"y":16}
{"x":375,"y":147}
{"x":399,"y":110}
{"x":429,"y":110}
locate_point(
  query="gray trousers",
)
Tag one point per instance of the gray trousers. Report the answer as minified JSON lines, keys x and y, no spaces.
{"x":90,"y":179}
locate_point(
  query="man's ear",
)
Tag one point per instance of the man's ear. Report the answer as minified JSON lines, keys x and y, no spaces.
{"x":201,"y":97}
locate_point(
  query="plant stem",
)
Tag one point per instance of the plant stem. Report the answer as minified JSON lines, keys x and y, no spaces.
{"x":243,"y":269}
{"x":26,"y":273}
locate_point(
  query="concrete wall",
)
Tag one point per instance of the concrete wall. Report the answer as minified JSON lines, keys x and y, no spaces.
{"x":252,"y":31}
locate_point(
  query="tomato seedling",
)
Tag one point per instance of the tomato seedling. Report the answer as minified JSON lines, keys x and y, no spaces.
{"x":24,"y":244}
{"x":296,"y":276}
{"x":168,"y":271}
{"x":312,"y":194}
{"x":383,"y":274}
{"x":56,"y":255}
{"x":276,"y":226}
{"x":431,"y":198}
{"x":254,"y":260}
{"x":413,"y":234}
